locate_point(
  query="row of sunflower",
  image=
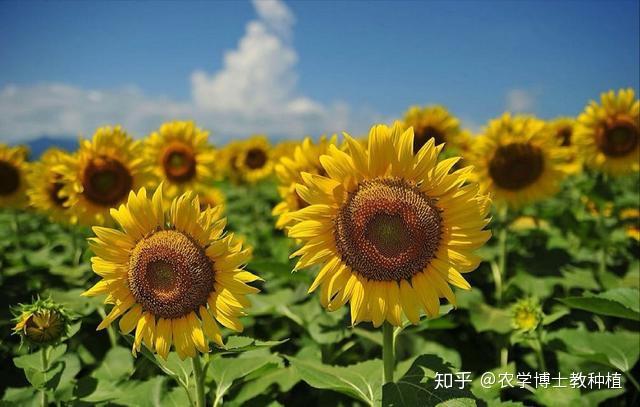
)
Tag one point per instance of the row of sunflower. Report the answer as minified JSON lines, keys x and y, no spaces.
{"x":389,"y":223}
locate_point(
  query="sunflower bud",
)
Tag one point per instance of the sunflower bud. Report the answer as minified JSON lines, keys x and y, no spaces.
{"x":526,"y":314}
{"x":41,"y":323}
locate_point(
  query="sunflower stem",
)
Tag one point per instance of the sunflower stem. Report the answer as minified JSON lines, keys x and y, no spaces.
{"x":113,"y":340}
{"x":388,"y":351}
{"x":16,"y":228}
{"x":199,"y":379}
{"x":44,"y":358}
{"x":502,"y":255}
{"x":538,"y":347}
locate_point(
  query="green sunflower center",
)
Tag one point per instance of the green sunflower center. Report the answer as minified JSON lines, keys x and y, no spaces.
{"x":516,"y":166}
{"x":170,"y":274}
{"x":421,"y":136}
{"x":179,"y":162}
{"x":618,"y":139}
{"x":106,"y":181}
{"x":388,"y":230}
{"x":256,"y":158}
{"x":10,"y":177}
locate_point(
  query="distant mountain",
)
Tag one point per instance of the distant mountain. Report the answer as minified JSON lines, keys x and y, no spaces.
{"x":41,"y":144}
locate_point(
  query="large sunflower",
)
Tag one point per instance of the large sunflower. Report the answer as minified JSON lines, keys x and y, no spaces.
{"x":45,"y":184}
{"x":518,"y":160}
{"x":608,"y":135}
{"x":13,"y":170}
{"x":253,"y":160}
{"x":171,"y":275}
{"x":305,"y":158}
{"x":391,"y":228}
{"x":100,"y":175}
{"x":431,"y":122}
{"x":179,"y":155}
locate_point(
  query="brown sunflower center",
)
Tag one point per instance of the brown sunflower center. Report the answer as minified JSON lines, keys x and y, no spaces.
{"x":9,"y":178}
{"x":618,"y":139}
{"x":423,"y":135}
{"x":106,"y":181}
{"x":179,"y":162}
{"x":44,"y":326}
{"x":388,"y":230}
{"x":170,"y":274}
{"x":256,"y":158}
{"x":517,"y":165}
{"x":54,"y":190}
{"x":564,"y":135}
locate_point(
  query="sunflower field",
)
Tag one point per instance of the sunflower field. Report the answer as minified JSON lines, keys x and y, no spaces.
{"x":416,"y":265}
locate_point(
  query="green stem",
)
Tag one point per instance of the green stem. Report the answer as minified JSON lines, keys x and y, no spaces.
{"x":539,"y":353}
{"x":16,"y":228}
{"x":602,"y":265}
{"x":44,"y":357}
{"x":388,"y":351}
{"x":199,"y":378}
{"x":500,"y":274}
{"x":113,"y":339}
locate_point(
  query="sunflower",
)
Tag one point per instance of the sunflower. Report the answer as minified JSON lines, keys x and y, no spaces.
{"x":431,"y":122}
{"x":100,"y":175}
{"x":608,"y":135}
{"x":518,"y":160}
{"x":526,"y":314}
{"x":13,"y":171}
{"x":253,"y":160}
{"x":305,"y":158}
{"x":211,"y":197}
{"x":391,"y":229}
{"x":563,"y":129}
{"x":284,"y":148}
{"x":45,"y":185}
{"x":171,"y":275}
{"x":179,"y":155}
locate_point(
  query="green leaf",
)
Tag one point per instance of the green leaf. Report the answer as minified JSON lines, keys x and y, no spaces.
{"x":492,"y":392}
{"x":418,"y":387}
{"x":283,"y":378}
{"x":142,"y":393}
{"x":49,"y":379}
{"x":23,"y":396}
{"x":361,"y":381}
{"x":64,"y":391}
{"x":619,"y":302}
{"x":224,"y":371}
{"x":244,"y":343}
{"x":116,"y":365}
{"x":618,"y":350}
{"x":487,"y":318}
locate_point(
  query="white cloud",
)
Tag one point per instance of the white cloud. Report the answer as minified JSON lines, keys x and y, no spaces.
{"x":254,"y":91}
{"x":520,"y":100}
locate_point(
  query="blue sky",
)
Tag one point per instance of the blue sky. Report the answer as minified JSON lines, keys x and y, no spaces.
{"x":303,"y":67}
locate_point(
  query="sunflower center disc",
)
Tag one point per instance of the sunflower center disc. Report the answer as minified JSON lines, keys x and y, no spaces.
{"x":619,"y":139}
{"x":170,"y":275}
{"x":9,"y":178}
{"x":256,"y":158}
{"x":388,"y":230}
{"x":421,"y":137}
{"x":564,"y":135}
{"x":106,"y":181}
{"x":517,"y":165}
{"x":54,"y":188}
{"x":179,"y":162}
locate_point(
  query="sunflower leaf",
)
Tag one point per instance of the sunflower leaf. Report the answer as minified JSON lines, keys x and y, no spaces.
{"x":619,"y":302}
